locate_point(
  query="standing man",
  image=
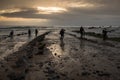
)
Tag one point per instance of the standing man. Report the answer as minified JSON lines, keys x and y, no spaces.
{"x":82,"y":31}
{"x":62,"y":31}
{"x":29,"y":33}
{"x":36,"y":32}
{"x":11,"y":34}
{"x":104,"y":32}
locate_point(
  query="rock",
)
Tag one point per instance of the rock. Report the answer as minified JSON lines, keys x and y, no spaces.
{"x":94,"y":55}
{"x":6,"y":70}
{"x":98,"y":72}
{"x":26,"y":71}
{"x":104,"y":74}
{"x":118,"y":67}
{"x":94,"y":72}
{"x":59,"y":56}
{"x":63,"y":74}
{"x":93,"y":65}
{"x":51,"y":71}
{"x":40,"y":52}
{"x":13,"y":76}
{"x":41,"y":47}
{"x":41,"y":64}
{"x":85,"y":73}
{"x":55,"y":54}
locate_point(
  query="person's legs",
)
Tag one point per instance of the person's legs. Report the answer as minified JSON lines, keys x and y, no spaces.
{"x":104,"y":37}
{"x":81,"y":35}
{"x":36,"y":34}
{"x":62,"y":36}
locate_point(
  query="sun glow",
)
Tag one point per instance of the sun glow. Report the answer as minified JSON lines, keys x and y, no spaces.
{"x":21,"y":19}
{"x":48,"y":10}
{"x":82,"y":5}
{"x":9,"y":11}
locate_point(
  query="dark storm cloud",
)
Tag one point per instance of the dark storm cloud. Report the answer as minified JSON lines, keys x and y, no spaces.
{"x":95,"y":11}
{"x":103,"y":7}
{"x":103,"y":11}
{"x":31,"y":13}
{"x":8,"y":4}
{"x":72,"y":13}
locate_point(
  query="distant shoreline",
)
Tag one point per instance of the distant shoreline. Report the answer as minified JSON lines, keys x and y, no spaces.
{"x":99,"y":35}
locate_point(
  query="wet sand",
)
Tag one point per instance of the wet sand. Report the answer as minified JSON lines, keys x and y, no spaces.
{"x":49,"y":58}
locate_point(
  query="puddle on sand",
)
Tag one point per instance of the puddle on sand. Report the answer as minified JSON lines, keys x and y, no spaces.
{"x":61,"y":49}
{"x":56,"y":46}
{"x":56,"y":50}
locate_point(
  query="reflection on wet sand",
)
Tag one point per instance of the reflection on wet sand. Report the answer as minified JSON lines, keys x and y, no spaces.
{"x":57,"y":47}
{"x":82,"y":44}
{"x":62,"y":44}
{"x":55,"y":50}
{"x":29,"y":37}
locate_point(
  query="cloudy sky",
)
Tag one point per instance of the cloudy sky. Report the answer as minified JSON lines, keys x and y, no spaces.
{"x":60,"y":12}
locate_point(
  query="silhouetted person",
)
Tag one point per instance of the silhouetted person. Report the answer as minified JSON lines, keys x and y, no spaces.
{"x":62,"y":31}
{"x":104,"y":32}
{"x":11,"y":34}
{"x":29,"y":33}
{"x":82,"y":31}
{"x":36,"y":32}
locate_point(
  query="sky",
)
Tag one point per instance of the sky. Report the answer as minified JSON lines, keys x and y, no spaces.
{"x":60,"y":12}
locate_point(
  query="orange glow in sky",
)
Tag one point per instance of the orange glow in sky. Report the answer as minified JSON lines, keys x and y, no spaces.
{"x":49,"y":10}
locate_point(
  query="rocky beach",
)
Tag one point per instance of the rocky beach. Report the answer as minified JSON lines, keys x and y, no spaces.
{"x":59,"y":39}
{"x":48,"y":58}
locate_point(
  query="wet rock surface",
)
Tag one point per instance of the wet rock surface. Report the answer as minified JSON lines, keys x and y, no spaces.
{"x":77,"y":59}
{"x":16,"y":65}
{"x":50,"y":58}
